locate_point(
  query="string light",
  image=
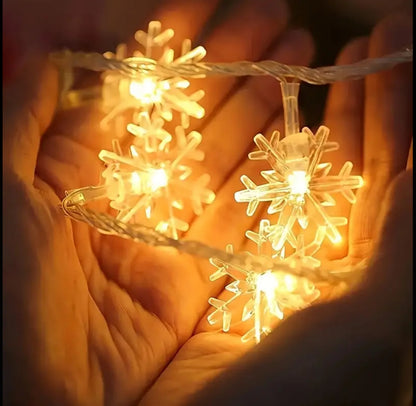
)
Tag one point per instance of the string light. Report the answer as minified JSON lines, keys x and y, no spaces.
{"x":153,"y":180}
{"x":265,"y":293}
{"x":150,"y":181}
{"x":315,"y":76}
{"x":298,"y":188}
{"x":151,"y":93}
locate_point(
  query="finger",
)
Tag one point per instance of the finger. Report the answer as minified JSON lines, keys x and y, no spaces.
{"x":344,"y":116}
{"x":117,"y":21}
{"x":388,"y":130}
{"x":388,"y":105}
{"x":391,"y":267}
{"x":29,"y":107}
{"x":229,"y":135}
{"x":245,"y":35}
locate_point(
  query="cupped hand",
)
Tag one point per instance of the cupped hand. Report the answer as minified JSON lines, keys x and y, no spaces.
{"x":355,"y":349}
{"x":93,"y":319}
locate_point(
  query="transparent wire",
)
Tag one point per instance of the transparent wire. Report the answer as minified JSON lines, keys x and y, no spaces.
{"x":316,"y":76}
{"x":75,"y":205}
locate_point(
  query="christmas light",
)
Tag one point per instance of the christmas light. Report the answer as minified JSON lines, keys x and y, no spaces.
{"x":147,"y":92}
{"x":265,"y":294}
{"x":150,"y":181}
{"x":298,"y":188}
{"x":153,"y":177}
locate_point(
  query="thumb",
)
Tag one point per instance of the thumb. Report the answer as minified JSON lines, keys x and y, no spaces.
{"x":390,"y":272}
{"x":29,"y":103}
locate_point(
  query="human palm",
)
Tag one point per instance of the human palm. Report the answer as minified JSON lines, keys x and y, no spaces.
{"x":112,"y":321}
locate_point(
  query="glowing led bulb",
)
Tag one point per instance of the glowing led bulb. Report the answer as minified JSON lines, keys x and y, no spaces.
{"x":298,"y":183}
{"x":156,"y":177}
{"x":290,"y":283}
{"x":152,"y":92}
{"x":299,"y":195}
{"x":298,"y":188}
{"x":266,"y":294}
{"x":267,"y":283}
{"x":148,"y":182}
{"x":147,"y":90}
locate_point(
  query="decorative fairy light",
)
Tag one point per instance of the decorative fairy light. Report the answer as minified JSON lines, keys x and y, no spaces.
{"x":298,"y":188}
{"x":151,"y":181}
{"x":144,"y":92}
{"x":265,"y":294}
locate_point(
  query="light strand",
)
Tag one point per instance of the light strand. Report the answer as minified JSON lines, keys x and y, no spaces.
{"x":314,"y":76}
{"x":139,"y":94}
{"x":74,"y":205}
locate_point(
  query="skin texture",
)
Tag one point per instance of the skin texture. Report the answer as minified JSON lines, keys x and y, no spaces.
{"x":90,"y":319}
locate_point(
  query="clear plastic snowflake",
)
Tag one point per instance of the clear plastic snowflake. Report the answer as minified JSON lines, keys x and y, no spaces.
{"x":152,"y":93}
{"x":299,"y":186}
{"x":265,"y":294}
{"x":153,"y":181}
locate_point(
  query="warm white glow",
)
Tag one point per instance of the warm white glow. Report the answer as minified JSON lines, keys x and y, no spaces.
{"x":290,"y":282}
{"x":337,"y":239}
{"x":158,"y":179}
{"x":267,"y":283}
{"x":159,"y":95}
{"x":148,"y":182}
{"x":298,"y":182}
{"x":299,"y":187}
{"x":147,"y":90}
{"x":136,"y":183}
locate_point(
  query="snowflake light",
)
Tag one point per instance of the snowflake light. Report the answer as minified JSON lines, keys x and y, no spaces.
{"x":299,"y":186}
{"x":152,"y":93}
{"x":153,"y":180}
{"x":266,"y":294}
